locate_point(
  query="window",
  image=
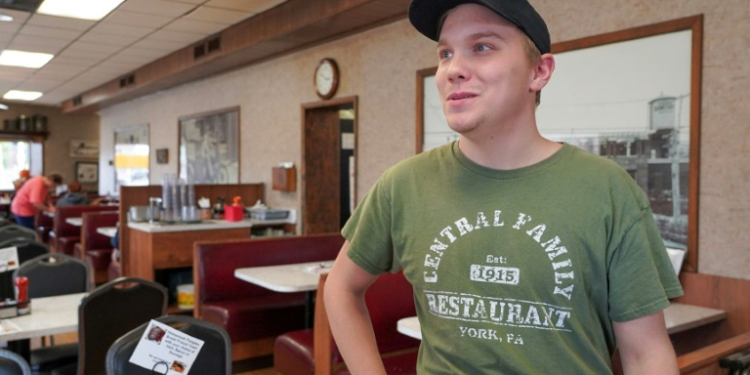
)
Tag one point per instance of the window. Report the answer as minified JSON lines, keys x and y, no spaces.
{"x":17,"y":155}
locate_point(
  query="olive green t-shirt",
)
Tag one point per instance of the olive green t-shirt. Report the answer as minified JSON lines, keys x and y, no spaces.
{"x":518,"y":271}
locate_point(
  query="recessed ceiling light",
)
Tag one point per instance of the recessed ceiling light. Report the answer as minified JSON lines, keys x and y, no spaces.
{"x":3,"y":107}
{"x":22,"y":95}
{"x":84,"y":9}
{"x":24,"y":59}
{"x":5,"y":18}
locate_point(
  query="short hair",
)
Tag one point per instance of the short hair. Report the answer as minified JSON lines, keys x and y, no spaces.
{"x":56,"y":178}
{"x":74,"y":186}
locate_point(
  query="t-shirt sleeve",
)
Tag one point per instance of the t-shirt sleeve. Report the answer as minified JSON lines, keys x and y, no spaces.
{"x":641,"y":276}
{"x":369,"y":232}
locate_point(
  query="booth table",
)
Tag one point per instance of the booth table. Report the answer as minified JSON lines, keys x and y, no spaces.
{"x":107,"y":231}
{"x":288,"y":278}
{"x":75,"y":221}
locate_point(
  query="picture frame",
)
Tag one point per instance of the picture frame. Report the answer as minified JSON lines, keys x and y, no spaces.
{"x":83,"y":148}
{"x":87,"y":172}
{"x":209,"y":147}
{"x":633,"y":96}
{"x":162,"y":156}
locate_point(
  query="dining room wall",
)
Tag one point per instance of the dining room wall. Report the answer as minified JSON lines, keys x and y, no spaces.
{"x":379,"y":67}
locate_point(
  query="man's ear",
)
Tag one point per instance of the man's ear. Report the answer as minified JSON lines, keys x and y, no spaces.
{"x":542,"y":72}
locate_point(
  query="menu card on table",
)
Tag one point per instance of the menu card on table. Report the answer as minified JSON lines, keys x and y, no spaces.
{"x":164,"y":348}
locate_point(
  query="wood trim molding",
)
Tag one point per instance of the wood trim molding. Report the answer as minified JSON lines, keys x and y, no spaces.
{"x":290,"y":26}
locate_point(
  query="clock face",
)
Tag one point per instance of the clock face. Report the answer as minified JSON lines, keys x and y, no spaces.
{"x":326,"y":78}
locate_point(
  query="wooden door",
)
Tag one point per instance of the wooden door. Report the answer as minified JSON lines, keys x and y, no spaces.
{"x":321,"y":147}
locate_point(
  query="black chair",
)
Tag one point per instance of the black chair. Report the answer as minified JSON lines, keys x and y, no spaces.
{"x":54,"y":275}
{"x":215,"y":356}
{"x":109,"y":312}
{"x":13,"y":364}
{"x":27,"y":249}
{"x":8,"y":232}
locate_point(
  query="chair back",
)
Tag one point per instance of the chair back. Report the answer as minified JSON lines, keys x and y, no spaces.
{"x":214,"y":357}
{"x":13,"y":364}
{"x":8,"y":232}
{"x":42,"y":225}
{"x":111,"y":311}
{"x":27,"y":249}
{"x":54,"y":275}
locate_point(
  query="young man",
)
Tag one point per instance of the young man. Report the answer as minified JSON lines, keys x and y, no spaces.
{"x":526,"y":256}
{"x":32,"y":197}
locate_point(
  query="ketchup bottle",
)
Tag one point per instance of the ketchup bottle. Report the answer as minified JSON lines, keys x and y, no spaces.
{"x":22,"y":294}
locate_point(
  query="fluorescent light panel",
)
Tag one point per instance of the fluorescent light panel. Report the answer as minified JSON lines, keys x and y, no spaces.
{"x":5,"y":18}
{"x":83,"y":9}
{"x":24,"y":59}
{"x":22,"y":95}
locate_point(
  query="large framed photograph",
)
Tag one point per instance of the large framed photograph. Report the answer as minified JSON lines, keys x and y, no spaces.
{"x":632,"y":96}
{"x":209,"y":151}
{"x":87,"y":172}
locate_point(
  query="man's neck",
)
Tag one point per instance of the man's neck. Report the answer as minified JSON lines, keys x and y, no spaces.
{"x":508,"y":147}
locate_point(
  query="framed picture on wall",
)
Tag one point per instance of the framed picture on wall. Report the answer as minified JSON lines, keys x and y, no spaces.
{"x":84,"y":149}
{"x":209,"y":147}
{"x":87,"y":172}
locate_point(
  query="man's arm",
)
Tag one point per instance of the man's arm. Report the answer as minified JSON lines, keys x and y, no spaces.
{"x":645,"y":347}
{"x":350,"y":321}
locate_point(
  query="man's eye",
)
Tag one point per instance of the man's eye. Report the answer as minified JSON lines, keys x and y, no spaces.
{"x":482,"y":47}
{"x":445,"y":54}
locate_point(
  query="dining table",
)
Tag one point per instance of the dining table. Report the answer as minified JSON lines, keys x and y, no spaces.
{"x":48,"y":316}
{"x":678,"y":317}
{"x":107,"y":231}
{"x":75,"y":221}
{"x":289,"y":278}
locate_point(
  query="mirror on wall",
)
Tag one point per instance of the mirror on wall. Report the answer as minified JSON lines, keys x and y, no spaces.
{"x":632,"y":96}
{"x":131,"y":156}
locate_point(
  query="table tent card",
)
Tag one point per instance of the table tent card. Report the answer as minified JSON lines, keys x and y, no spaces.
{"x":162,"y":346}
{"x":8,"y":264}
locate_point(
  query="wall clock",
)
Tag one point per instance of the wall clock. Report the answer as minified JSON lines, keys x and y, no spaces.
{"x":326,"y":78}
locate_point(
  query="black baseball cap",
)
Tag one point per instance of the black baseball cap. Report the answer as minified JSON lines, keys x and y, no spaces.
{"x":425,"y":14}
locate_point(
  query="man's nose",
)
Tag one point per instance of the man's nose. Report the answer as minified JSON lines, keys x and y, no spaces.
{"x":458,"y":68}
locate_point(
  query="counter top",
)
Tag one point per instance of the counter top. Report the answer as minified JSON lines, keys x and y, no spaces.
{"x":204,"y":225}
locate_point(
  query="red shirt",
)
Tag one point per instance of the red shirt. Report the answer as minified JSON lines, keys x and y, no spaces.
{"x":32,"y":191}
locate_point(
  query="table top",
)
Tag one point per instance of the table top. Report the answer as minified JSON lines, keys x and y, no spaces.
{"x":76,"y":221}
{"x":107,"y":231}
{"x":678,"y":317}
{"x":49,"y":316}
{"x":286,"y":278}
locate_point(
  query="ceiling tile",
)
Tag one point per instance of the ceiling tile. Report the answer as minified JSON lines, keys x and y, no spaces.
{"x":37,"y":44}
{"x":191,"y":1}
{"x":86,"y":47}
{"x":158,"y":7}
{"x":176,"y":36}
{"x":144,"y":53}
{"x":161,"y":45}
{"x":72,"y":59}
{"x":8,"y":28}
{"x":41,"y":86}
{"x":91,"y":56}
{"x":124,"y":30}
{"x":195,"y":26}
{"x":18,"y":16}
{"x":14,"y":73}
{"x":109,"y":39}
{"x":52,"y":99}
{"x":217,"y":15}
{"x":123,"y":17}
{"x":255,"y":6}
{"x":60,"y":22}
{"x":49,"y":32}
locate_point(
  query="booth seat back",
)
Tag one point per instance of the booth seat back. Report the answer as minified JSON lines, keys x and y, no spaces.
{"x":64,"y":229}
{"x":215,"y":262}
{"x":42,"y":225}
{"x":65,"y":235}
{"x":93,"y":221}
